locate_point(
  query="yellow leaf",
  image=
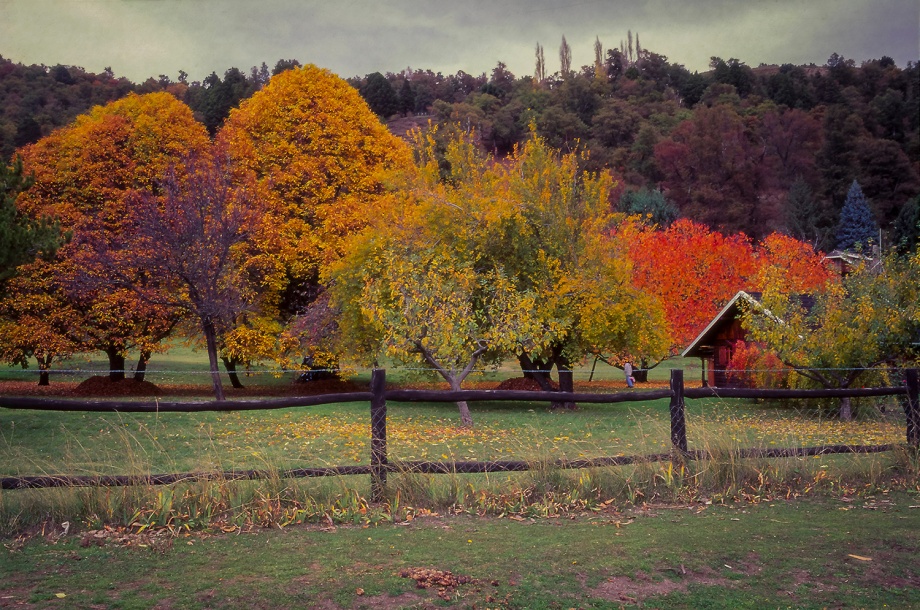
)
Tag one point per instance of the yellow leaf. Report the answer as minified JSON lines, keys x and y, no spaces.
{"x":860,"y":557}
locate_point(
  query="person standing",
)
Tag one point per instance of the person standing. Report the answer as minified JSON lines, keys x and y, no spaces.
{"x":630,"y":380}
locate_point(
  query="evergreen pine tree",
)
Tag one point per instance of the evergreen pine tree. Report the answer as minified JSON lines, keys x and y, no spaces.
{"x":906,"y":234}
{"x":857,"y":229}
{"x":21,"y":239}
{"x":802,"y":213}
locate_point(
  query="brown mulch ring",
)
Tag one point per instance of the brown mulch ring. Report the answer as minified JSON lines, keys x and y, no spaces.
{"x":101,"y":385}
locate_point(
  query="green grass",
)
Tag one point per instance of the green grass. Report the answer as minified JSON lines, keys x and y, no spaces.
{"x":50,"y":443}
{"x":37,"y":442}
{"x":805,"y":554}
{"x":182,"y":364}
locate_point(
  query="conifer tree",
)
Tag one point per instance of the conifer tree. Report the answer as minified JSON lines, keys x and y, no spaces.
{"x":906,"y":234}
{"x":857,"y":228}
{"x":21,"y":239}
{"x":802,"y":213}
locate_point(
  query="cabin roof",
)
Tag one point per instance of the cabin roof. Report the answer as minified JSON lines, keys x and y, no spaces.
{"x":729,"y":312}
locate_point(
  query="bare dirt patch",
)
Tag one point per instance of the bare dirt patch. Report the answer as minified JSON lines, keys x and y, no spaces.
{"x":642,"y":586}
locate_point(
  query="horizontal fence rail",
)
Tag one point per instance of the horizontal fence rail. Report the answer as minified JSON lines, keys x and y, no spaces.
{"x":378,"y":396}
{"x":128,"y":406}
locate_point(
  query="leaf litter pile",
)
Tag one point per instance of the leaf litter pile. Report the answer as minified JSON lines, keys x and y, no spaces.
{"x":444,"y":581}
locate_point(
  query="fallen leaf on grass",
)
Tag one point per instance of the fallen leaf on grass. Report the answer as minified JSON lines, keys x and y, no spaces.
{"x":860,"y":557}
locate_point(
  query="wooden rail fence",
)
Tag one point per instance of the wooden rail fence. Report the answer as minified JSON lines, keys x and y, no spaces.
{"x":378,"y":396}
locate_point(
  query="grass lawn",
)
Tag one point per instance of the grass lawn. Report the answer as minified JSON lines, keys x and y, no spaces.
{"x":814,"y":553}
{"x":718,"y":533}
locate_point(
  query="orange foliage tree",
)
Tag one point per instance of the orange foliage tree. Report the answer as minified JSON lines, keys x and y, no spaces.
{"x":85,"y":177}
{"x":694,"y":271}
{"x":691,"y":270}
{"x":319,"y":155}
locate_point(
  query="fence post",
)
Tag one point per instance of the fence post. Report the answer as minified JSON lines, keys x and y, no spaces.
{"x":678,"y":421}
{"x":378,"y":435}
{"x":567,"y":385}
{"x":912,"y":407}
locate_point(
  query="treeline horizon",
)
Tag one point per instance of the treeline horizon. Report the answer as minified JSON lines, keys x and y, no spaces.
{"x":740,"y":149}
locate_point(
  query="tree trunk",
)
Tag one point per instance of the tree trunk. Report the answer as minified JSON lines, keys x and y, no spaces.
{"x":846,"y":411}
{"x":44,"y":364}
{"x":466,"y":419}
{"x":641,"y":374}
{"x":116,"y":364}
{"x":211,"y":341}
{"x":141,"y":371}
{"x":565,"y":385}
{"x":230,"y":365}
{"x":539,"y":372}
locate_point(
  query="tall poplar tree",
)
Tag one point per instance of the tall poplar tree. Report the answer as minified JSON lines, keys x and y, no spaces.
{"x":565,"y":58}
{"x":540,"y":71}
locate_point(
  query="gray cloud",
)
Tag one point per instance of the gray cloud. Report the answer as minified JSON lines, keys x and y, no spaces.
{"x":142,"y":38}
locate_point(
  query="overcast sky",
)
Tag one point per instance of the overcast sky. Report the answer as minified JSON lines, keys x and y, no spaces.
{"x":142,"y":38}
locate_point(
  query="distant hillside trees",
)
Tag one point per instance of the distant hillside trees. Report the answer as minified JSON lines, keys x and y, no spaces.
{"x":733,"y":147}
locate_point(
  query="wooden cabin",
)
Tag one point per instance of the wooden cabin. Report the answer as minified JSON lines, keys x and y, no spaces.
{"x":715,"y":345}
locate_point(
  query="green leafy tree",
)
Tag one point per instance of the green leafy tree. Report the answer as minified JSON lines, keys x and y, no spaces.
{"x":803,"y":214}
{"x":380,"y":95}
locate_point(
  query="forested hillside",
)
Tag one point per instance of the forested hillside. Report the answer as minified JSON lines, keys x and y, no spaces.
{"x":737,"y":148}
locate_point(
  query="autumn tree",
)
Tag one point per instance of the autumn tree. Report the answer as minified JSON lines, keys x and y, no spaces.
{"x":553,"y":236}
{"x":85,"y":176}
{"x":318,"y":154}
{"x":836,"y":335}
{"x":39,"y":322}
{"x":413,"y":286}
{"x":693,"y":271}
{"x":503,"y":259}
{"x":191,"y":241}
{"x":713,"y":171}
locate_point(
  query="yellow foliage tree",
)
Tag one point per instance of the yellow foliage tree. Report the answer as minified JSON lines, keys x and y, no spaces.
{"x":476,"y":259}
{"x":319,"y":155}
{"x":837,"y":334}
